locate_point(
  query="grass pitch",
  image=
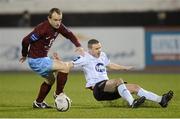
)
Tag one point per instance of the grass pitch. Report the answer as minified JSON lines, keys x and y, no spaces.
{"x":19,"y":90}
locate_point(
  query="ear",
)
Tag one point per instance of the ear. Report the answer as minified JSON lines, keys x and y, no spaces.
{"x":48,"y":18}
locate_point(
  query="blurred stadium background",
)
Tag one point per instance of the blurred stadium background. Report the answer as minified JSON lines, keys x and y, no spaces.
{"x":143,"y":33}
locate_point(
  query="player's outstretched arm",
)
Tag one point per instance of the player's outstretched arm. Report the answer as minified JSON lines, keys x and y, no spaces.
{"x":113,"y":66}
{"x":80,"y":51}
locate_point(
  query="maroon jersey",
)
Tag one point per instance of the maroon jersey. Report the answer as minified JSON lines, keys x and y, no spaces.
{"x":37,"y":43}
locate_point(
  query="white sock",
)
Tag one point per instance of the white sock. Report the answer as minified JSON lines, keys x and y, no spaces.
{"x":149,"y":95}
{"x":124,"y":93}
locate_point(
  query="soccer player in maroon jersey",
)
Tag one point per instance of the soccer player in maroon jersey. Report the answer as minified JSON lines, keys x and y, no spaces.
{"x":35,"y":47}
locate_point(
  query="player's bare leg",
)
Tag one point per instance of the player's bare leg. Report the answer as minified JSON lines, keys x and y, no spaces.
{"x":111,"y":85}
{"x":62,"y":69}
{"x":118,"y":84}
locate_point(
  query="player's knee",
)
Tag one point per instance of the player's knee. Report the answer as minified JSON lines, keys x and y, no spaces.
{"x":68,"y":67}
{"x":136,"y":88}
{"x":65,"y":70}
{"x":119,"y":82}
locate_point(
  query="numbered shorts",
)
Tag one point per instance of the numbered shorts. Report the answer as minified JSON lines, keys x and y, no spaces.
{"x":42,"y":66}
{"x":101,"y":95}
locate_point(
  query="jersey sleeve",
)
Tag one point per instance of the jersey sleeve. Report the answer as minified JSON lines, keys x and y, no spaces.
{"x":79,"y":61}
{"x":106,"y":59}
{"x":31,"y":37}
{"x":25,"y":45}
{"x":38,"y":32}
{"x":69,"y":35}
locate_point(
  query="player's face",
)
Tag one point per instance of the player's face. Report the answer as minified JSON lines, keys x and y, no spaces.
{"x":96,"y":50}
{"x":55,"y":20}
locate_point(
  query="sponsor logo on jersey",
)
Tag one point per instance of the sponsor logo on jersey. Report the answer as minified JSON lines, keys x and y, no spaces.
{"x":100,"y":67}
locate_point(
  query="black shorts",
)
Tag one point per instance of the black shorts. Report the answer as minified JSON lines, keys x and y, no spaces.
{"x":101,"y":95}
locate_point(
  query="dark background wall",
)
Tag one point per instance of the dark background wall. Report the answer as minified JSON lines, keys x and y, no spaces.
{"x":101,"y":19}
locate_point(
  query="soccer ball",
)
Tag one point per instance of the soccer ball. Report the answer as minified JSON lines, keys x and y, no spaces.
{"x":62,"y":102}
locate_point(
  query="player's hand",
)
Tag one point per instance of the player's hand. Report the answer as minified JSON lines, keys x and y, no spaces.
{"x":22,"y":59}
{"x":56,"y":56}
{"x":80,"y":51}
{"x":128,"y":67}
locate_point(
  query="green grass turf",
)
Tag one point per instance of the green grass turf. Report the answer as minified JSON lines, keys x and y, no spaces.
{"x":18,"y":91}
